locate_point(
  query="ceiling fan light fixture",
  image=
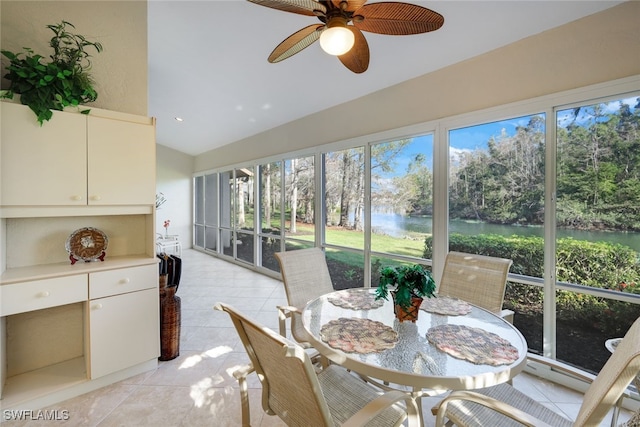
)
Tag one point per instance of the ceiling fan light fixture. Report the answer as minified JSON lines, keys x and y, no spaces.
{"x":347,"y":41}
{"x":337,"y":39}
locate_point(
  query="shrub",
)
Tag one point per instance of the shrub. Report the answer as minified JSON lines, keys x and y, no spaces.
{"x":594,"y":264}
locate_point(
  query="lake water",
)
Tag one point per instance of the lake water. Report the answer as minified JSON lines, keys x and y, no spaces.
{"x":399,"y":225}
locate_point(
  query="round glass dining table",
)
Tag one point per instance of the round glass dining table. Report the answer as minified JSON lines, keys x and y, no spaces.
{"x":354,"y":330}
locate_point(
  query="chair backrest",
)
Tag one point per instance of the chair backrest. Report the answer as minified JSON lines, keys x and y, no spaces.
{"x":478,"y":279}
{"x":306,"y":276}
{"x":290,"y":387}
{"x":614,"y":377}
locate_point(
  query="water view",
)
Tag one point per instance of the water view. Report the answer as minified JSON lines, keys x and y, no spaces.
{"x":399,"y":226}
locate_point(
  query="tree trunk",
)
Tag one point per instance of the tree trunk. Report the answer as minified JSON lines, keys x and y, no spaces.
{"x":294,"y":195}
{"x":267,"y":196}
{"x":344,"y":192}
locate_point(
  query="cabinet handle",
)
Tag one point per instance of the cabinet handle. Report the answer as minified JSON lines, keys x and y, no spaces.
{"x":124,"y":281}
{"x":97,"y":306}
{"x":43,"y":294}
{"x":77,"y":198}
{"x":96,"y":198}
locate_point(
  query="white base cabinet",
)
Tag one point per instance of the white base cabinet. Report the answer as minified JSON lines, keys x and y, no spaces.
{"x":123,"y":331}
{"x":99,"y":320}
{"x":123,"y":314}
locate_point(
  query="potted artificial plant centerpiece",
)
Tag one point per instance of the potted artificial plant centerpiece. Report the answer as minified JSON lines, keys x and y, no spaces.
{"x":409,"y":285}
{"x":62,"y":82}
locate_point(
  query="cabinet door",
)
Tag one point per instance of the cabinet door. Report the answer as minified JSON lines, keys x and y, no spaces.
{"x":124,"y":330}
{"x":42,"y":165}
{"x":122,"y":162}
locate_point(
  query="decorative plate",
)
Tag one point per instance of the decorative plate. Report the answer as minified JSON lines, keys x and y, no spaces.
{"x":87,"y":244}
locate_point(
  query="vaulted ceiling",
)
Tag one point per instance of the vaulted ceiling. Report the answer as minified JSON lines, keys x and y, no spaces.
{"x":208,"y":61}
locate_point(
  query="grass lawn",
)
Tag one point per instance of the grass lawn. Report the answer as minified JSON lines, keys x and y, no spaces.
{"x":355,"y":239}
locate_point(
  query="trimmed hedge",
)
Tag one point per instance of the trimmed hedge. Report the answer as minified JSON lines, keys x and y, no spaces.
{"x":595,"y":264}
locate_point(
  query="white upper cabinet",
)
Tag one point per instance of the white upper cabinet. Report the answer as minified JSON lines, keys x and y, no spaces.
{"x":76,"y":159}
{"x":43,"y":165}
{"x":121,"y":162}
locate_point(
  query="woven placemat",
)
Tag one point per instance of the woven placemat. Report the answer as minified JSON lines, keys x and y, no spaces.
{"x":473,"y":344}
{"x":353,"y":335}
{"x":355,"y":300}
{"x":446,"y":305}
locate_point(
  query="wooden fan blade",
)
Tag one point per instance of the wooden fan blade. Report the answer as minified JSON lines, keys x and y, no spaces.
{"x":397,"y":18}
{"x":296,"y":42}
{"x":302,"y":7}
{"x":357,"y":59}
{"x":352,"y":5}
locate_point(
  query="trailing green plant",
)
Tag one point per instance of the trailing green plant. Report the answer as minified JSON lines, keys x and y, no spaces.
{"x":63,"y":82}
{"x":405,"y":281}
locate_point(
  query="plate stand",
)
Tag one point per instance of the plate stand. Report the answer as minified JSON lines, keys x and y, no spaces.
{"x":74,"y":259}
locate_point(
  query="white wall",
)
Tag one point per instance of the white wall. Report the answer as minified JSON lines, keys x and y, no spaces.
{"x":174,"y":180}
{"x":119,"y":71}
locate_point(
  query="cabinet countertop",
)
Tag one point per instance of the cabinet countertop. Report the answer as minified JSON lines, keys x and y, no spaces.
{"x":47,"y":271}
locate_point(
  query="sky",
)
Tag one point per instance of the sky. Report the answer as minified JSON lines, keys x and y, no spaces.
{"x":467,"y":139}
{"x":475,"y":137}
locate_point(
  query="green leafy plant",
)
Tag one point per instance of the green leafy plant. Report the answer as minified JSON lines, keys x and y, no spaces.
{"x":62,"y":82}
{"x":405,"y":281}
{"x":350,"y":274}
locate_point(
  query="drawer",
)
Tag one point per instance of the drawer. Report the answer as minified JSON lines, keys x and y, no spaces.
{"x":39,"y":294}
{"x":113,"y":282}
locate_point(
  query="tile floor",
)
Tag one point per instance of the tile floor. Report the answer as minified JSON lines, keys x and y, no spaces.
{"x":197,"y":389}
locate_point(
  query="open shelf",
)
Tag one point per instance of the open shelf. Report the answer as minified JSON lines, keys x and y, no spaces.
{"x":40,"y":382}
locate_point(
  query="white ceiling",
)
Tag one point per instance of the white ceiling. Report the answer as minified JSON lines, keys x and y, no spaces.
{"x":208,"y":61}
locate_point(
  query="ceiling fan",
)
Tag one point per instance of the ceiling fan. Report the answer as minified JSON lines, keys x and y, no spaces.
{"x":343,"y":21}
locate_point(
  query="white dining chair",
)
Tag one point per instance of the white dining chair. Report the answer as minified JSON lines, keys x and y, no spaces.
{"x":305,"y":275}
{"x":503,"y":405}
{"x":477,"y":279}
{"x":292,"y":390}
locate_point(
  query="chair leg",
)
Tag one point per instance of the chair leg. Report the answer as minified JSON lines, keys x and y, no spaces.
{"x":417,"y":397}
{"x":241,"y":376}
{"x":616,"y":412}
{"x":282,"y":326}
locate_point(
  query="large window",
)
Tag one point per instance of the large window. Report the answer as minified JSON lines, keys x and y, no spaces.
{"x":211,"y":212}
{"x":206,"y":212}
{"x":401,"y":195}
{"x":559,"y":199}
{"x":227,"y":197}
{"x":598,"y":224}
{"x":344,"y":187}
{"x":244,"y":213}
{"x":344,"y":198}
{"x":198,"y":212}
{"x":271,"y":219}
{"x":300,"y":200}
{"x":496,"y":175}
{"x":496,"y":206}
